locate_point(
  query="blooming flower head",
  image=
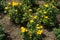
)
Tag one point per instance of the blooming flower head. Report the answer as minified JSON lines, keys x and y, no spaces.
{"x":6,"y":8}
{"x":39,"y":32}
{"x":45,"y":12}
{"x":45,"y":16}
{"x":9,"y":3}
{"x":37,"y":24}
{"x":46,"y":5}
{"x":53,"y":6}
{"x":15,"y":3}
{"x":35,"y":17}
{"x":30,"y":9}
{"x":23,"y":29}
{"x":39,"y":27}
{"x":31,"y":21}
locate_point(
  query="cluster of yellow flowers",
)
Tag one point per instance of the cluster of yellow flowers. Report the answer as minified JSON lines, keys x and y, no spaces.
{"x":23,"y":29}
{"x":34,"y":17}
{"x":39,"y":31}
{"x":39,"y":27}
{"x":13,"y":3}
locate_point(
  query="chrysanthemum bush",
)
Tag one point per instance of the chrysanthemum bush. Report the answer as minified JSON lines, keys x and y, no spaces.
{"x":47,"y":13}
{"x":18,"y":11}
{"x":32,"y":33}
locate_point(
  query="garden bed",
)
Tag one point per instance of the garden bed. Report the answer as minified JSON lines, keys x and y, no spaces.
{"x":12,"y":31}
{"x":30,"y":20}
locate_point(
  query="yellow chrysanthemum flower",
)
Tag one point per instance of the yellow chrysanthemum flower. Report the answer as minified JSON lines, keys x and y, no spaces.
{"x":45,"y":12}
{"x":45,"y":16}
{"x":31,"y":21}
{"x":31,"y":16}
{"x":6,"y":8}
{"x":53,"y":6}
{"x":37,"y":24}
{"x":23,"y":29}
{"x":39,"y":32}
{"x":46,"y":5}
{"x":35,"y":17}
{"x":15,"y":3}
{"x":30,"y":9}
{"x":9,"y":3}
{"x":39,"y":27}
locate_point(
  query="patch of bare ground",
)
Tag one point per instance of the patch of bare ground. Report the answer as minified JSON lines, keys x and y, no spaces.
{"x":11,"y":30}
{"x":49,"y":35}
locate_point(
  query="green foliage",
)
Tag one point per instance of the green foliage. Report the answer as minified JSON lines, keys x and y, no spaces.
{"x":47,"y":13}
{"x":57,"y":33}
{"x":1,"y":33}
{"x":29,"y":1}
{"x":2,"y":4}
